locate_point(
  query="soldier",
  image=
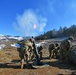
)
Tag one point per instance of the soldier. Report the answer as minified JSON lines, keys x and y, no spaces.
{"x":40,"y":51}
{"x":25,"y":51}
{"x":51,"y":48}
{"x":56,"y":50}
{"x":21,"y":51}
{"x":32,"y":53}
{"x":72,"y":54}
{"x":64,"y":48}
{"x":28,"y":50}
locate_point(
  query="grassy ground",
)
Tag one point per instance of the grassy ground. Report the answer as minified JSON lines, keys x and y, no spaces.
{"x":10,"y":63}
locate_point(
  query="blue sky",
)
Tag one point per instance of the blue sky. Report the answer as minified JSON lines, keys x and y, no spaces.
{"x":34,"y":17}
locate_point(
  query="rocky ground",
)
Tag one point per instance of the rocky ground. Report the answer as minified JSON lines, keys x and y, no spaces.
{"x":10,"y":63}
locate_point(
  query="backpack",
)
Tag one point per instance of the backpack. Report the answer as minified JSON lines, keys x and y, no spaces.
{"x":22,"y":45}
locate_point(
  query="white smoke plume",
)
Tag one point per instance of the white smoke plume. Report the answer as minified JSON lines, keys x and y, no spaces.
{"x":30,"y":23}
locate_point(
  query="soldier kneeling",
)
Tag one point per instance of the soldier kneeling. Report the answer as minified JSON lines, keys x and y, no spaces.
{"x":40,"y":51}
{"x":56,"y":51}
{"x":65,"y":47}
{"x":53,"y":50}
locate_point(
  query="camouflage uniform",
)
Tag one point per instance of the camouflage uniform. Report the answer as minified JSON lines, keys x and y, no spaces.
{"x":29,"y":48}
{"x":25,"y":51}
{"x":51,"y":48}
{"x":64,"y":49}
{"x":21,"y":49}
{"x":56,"y":50}
{"x":72,"y":54}
{"x":40,"y":51}
{"x":32,"y":52}
{"x":36,"y":49}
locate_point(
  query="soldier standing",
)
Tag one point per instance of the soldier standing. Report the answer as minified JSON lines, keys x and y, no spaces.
{"x":64,"y":48}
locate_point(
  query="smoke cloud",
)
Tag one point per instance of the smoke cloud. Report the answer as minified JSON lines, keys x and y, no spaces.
{"x":30,"y":23}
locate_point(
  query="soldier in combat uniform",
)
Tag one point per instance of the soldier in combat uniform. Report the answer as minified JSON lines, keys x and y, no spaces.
{"x":53,"y":50}
{"x":25,"y":51}
{"x":56,"y":50}
{"x":64,"y":49}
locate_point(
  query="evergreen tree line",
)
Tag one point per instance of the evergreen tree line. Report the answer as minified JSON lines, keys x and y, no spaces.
{"x":62,"y":32}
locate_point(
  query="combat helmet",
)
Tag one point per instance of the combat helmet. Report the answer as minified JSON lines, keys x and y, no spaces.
{"x":71,"y":38}
{"x":57,"y":44}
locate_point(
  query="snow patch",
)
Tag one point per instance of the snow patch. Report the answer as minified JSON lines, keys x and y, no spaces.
{"x":15,"y":45}
{"x":2,"y":46}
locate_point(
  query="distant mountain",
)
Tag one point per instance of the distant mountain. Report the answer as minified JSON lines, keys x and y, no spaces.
{"x":10,"y":38}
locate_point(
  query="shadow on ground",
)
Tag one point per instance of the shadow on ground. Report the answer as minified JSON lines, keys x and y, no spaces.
{"x":15,"y":64}
{"x":71,"y":66}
